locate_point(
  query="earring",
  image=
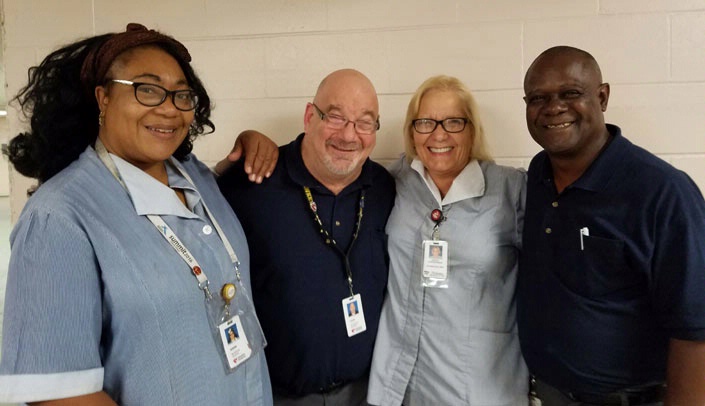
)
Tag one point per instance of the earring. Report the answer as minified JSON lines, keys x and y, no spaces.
{"x":100,"y":118}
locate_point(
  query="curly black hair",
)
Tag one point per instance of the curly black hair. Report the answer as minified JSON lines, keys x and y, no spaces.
{"x":63,"y":116}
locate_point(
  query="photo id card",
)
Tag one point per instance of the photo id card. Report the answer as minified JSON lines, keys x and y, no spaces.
{"x":354,"y":316}
{"x":435,"y":259}
{"x":237,"y":348}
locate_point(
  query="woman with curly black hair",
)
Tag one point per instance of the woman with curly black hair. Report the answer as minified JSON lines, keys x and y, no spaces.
{"x":107,"y":295}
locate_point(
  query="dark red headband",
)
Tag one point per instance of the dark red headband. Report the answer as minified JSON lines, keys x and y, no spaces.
{"x":98,"y":61}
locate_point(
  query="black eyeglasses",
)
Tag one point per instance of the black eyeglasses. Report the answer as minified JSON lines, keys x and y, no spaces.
{"x":151,"y":95}
{"x":339,"y":122}
{"x":428,"y":125}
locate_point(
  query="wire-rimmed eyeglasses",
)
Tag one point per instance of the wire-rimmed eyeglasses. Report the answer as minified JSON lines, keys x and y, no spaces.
{"x":151,"y":95}
{"x":337,"y":122}
{"x":450,"y":125}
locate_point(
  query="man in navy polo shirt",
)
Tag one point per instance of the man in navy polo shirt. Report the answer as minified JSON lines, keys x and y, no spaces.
{"x":611,"y":293}
{"x":317,"y":243}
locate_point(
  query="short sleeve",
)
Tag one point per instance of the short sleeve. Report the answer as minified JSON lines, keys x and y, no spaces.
{"x":679,"y":260}
{"x":53,"y":311}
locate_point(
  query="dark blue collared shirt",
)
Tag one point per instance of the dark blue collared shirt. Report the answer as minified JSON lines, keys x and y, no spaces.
{"x":597,"y":317}
{"x":299,"y":282}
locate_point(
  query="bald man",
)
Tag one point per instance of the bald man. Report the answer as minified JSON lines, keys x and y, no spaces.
{"x":611,"y":292}
{"x":315,"y":230}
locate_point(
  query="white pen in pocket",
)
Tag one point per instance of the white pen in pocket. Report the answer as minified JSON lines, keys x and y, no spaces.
{"x":584,"y":232}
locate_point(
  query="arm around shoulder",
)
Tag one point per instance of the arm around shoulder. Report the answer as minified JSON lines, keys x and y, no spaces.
{"x":261,"y":154}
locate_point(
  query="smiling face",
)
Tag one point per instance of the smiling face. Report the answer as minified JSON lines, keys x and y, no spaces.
{"x":144,"y":136}
{"x":565,"y":101}
{"x":336,"y":156}
{"x":443,"y":154}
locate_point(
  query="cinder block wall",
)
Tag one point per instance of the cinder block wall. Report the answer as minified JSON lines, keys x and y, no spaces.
{"x":262,"y":60}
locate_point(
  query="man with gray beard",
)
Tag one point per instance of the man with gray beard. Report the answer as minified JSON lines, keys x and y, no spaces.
{"x":315,"y":229}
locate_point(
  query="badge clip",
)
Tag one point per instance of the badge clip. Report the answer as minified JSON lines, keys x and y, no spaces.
{"x":228,"y":293}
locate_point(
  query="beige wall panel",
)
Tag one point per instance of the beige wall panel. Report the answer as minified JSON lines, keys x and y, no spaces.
{"x":390,"y":137}
{"x":180,"y":19}
{"x":231,"y":69}
{"x":629,"y":49}
{"x":280,"y":119}
{"x":505,"y":123}
{"x":295,"y":65}
{"x":375,"y":14}
{"x":473,"y":10}
{"x":16,"y":74}
{"x":688,"y":47}
{"x":42,"y":23}
{"x":484,"y":56}
{"x":228,"y":17}
{"x":665,"y":119}
{"x":649,"y":6}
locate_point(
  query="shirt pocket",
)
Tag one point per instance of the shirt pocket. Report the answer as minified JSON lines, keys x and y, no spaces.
{"x":600,"y":268}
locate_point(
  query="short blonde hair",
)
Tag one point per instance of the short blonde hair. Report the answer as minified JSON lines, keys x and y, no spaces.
{"x":447,"y":83}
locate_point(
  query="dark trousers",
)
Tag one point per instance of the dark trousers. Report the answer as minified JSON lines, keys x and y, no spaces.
{"x":350,"y":394}
{"x":550,"y":396}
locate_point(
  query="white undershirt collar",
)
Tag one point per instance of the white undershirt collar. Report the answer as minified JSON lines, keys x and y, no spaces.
{"x":470,"y":182}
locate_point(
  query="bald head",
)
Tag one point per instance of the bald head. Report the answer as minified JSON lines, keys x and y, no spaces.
{"x":341,"y":81}
{"x":565,"y":55}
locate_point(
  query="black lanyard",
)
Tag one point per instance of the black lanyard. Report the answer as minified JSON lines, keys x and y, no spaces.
{"x":330,"y":240}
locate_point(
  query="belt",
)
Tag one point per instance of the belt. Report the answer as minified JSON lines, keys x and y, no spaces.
{"x":331,"y":387}
{"x":322,"y":390}
{"x":627,"y":397}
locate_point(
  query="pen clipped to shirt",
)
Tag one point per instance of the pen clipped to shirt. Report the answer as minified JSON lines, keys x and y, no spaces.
{"x":584,"y":232}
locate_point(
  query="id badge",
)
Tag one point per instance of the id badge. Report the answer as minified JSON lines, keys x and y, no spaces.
{"x":354,"y":316}
{"x":235,"y":345}
{"x":235,"y":328}
{"x":435,"y":263}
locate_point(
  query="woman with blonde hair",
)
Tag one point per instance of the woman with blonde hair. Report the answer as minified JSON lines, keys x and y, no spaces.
{"x":448,"y":332}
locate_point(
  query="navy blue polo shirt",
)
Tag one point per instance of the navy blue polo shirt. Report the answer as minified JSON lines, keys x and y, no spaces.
{"x":299,"y":282}
{"x":597,"y":317}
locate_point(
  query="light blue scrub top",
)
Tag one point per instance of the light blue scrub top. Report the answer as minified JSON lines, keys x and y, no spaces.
{"x":98,"y":300}
{"x":454,"y":346}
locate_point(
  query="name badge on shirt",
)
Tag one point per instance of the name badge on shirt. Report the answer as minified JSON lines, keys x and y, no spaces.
{"x":435,"y":260}
{"x":232,"y":334}
{"x":354,"y":316}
